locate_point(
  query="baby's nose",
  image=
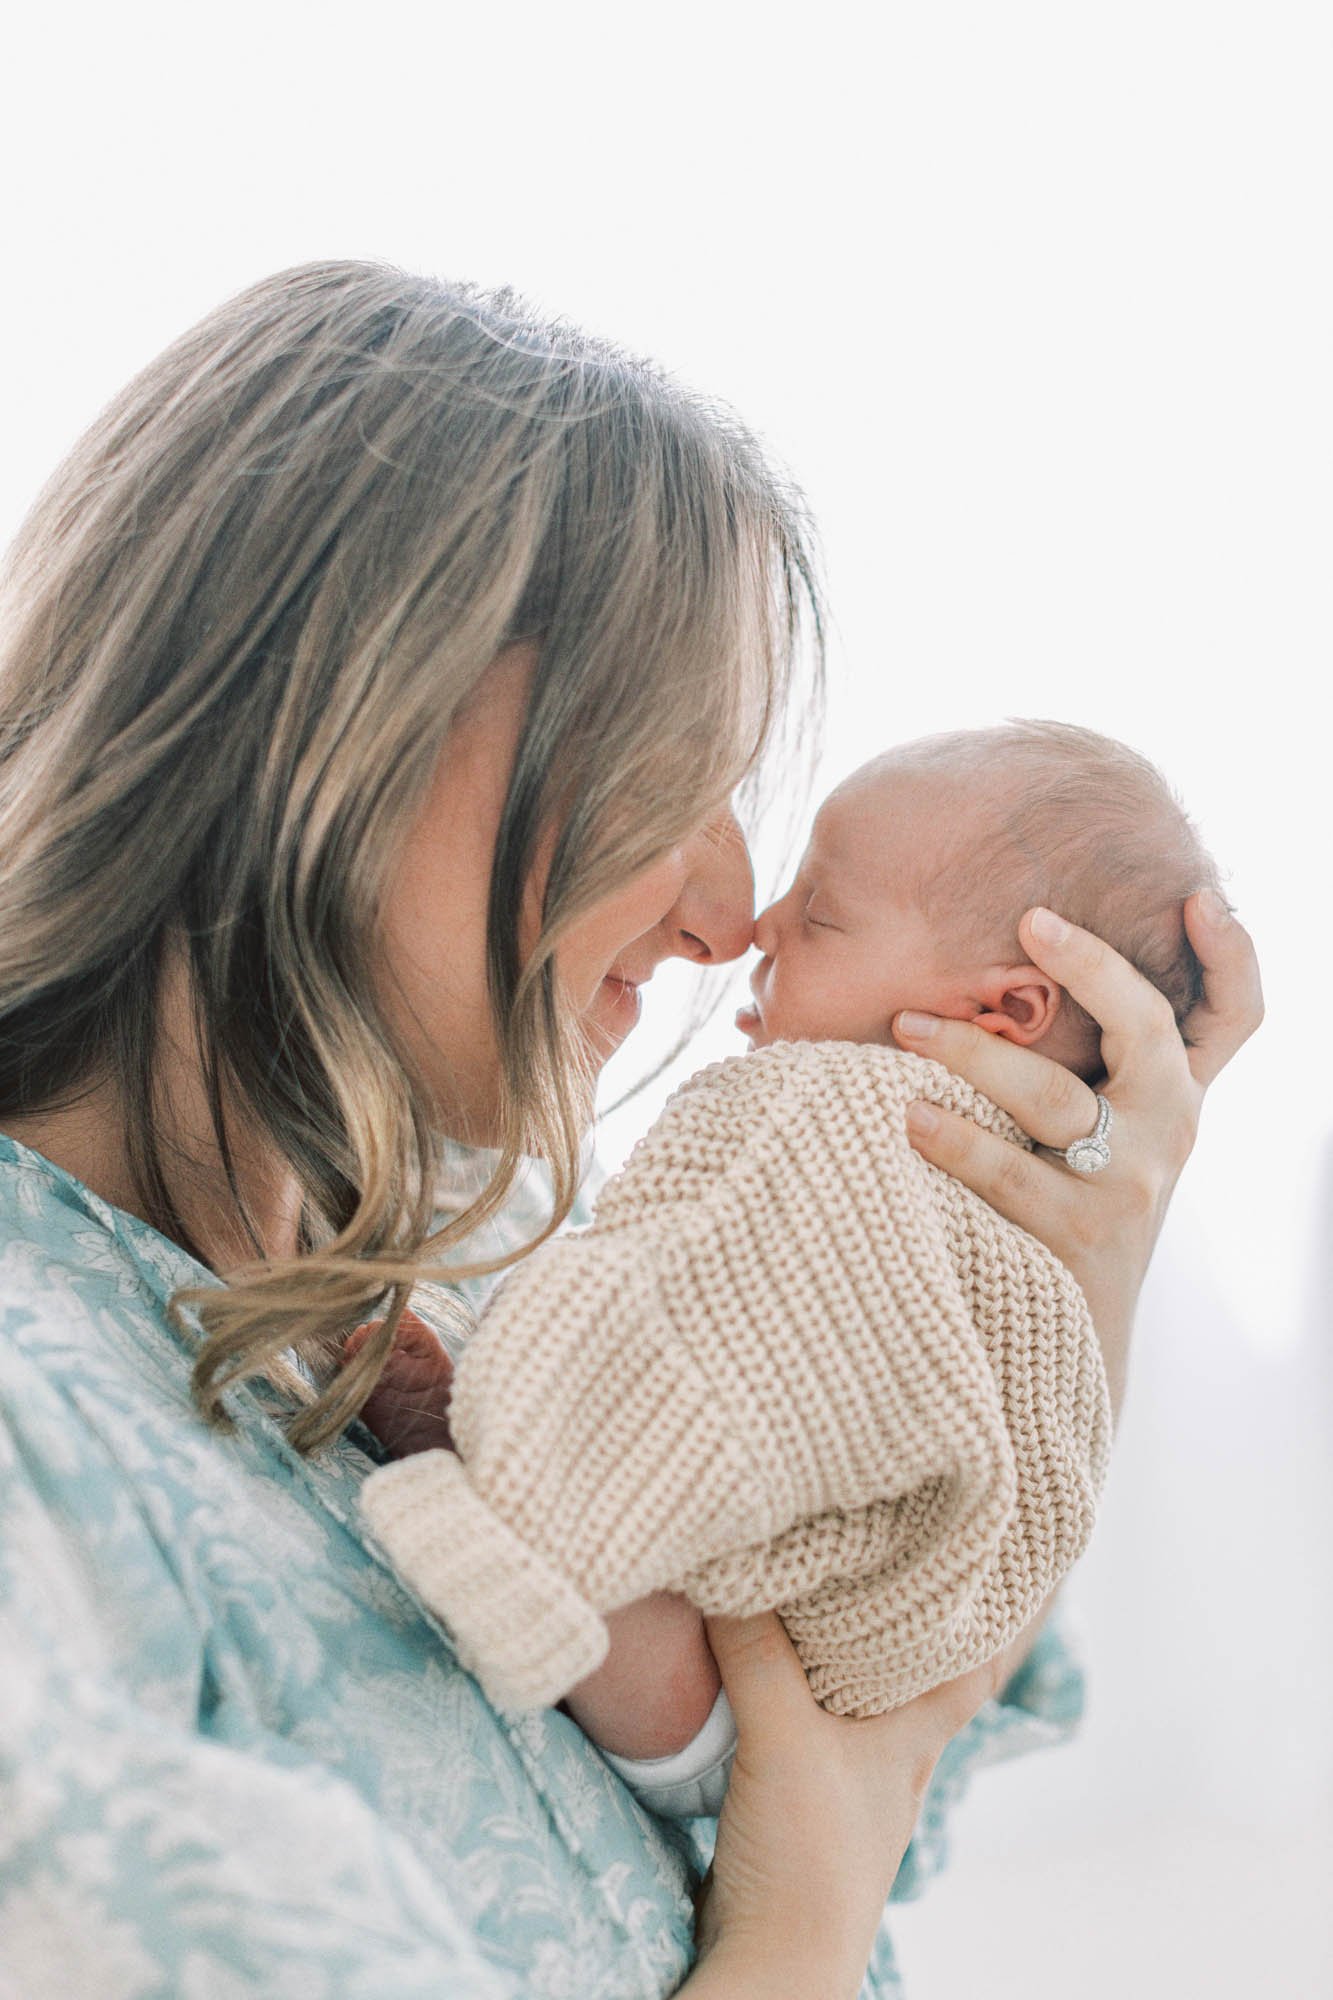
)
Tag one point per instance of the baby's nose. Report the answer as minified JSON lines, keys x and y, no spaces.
{"x":766,"y":931}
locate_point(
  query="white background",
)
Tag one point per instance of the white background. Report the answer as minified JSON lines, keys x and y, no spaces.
{"x":1036,"y":302}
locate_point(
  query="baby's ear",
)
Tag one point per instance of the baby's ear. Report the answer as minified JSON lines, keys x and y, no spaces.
{"x":1019,"y":1002}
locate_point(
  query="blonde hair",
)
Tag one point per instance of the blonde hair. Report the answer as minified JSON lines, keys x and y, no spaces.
{"x":234,"y":632}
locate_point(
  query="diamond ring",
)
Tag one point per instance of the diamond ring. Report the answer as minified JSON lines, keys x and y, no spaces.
{"x":1090,"y":1155}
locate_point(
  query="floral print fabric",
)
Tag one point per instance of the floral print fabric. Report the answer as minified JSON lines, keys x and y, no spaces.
{"x":236,"y":1756}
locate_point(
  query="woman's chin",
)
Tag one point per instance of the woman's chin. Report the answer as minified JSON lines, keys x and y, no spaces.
{"x":612,"y":1015}
{"x":618,"y":1007}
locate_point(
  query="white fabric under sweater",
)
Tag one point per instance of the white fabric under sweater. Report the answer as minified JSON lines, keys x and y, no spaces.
{"x":693,"y":1781}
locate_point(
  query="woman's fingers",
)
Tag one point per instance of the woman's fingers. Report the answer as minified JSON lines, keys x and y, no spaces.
{"x":1052,"y":1105}
{"x":1233,"y":1000}
{"x":762,"y":1674}
{"x":1102,"y":1229}
{"x":1141,"y":1045}
{"x":1033,"y":1193}
{"x":1145,"y":1057}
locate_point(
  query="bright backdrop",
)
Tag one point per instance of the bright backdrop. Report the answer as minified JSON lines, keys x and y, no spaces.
{"x":1035,"y":301}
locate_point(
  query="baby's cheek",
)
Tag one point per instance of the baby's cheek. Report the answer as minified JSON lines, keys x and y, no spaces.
{"x":812,"y":1006}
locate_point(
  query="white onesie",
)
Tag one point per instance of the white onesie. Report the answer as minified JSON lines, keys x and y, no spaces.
{"x":693,"y":1781}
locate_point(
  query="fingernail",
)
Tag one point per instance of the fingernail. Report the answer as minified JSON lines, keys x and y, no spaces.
{"x":920,"y":1027}
{"x":1214,"y":910}
{"x":923,"y":1119}
{"x":1048,"y":927}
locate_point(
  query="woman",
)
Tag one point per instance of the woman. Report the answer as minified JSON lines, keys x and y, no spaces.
{"x":376,"y":677}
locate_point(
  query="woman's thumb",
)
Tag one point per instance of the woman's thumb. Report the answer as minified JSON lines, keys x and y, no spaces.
{"x":761,"y":1672}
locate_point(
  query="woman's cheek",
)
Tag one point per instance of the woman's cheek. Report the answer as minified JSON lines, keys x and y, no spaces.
{"x":620,"y":921}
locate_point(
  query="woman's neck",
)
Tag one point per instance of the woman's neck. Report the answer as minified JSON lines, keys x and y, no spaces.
{"x":89,"y":1138}
{"x":85,"y":1139}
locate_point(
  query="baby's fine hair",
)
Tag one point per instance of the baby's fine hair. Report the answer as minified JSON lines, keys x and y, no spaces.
{"x":1075,"y":821}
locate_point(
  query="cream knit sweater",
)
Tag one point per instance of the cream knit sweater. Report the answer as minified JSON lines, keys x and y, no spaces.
{"x":788,"y":1364}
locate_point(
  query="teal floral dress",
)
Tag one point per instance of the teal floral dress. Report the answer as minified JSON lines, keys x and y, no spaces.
{"x":236,"y":1755}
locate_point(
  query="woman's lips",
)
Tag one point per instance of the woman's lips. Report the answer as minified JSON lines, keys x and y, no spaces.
{"x":623,"y":1004}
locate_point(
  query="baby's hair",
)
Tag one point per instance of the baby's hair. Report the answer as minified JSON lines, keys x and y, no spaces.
{"x":1092,"y":830}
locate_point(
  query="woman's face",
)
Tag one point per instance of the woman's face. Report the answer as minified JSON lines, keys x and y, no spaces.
{"x":697,"y":902}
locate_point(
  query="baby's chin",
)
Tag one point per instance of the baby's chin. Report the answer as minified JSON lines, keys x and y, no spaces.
{"x":761,"y":1034}
{"x":750,"y":1023}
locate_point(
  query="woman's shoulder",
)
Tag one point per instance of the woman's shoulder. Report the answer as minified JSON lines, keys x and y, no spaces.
{"x":205,"y":1605}
{"x":52,"y":1224}
{"x":85,"y":1287}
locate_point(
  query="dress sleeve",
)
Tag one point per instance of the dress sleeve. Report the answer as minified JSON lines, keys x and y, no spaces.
{"x":1040,"y":1707}
{"x":140,"y":1857}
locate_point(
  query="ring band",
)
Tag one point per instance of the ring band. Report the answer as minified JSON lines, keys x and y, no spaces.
{"x":1090,"y":1155}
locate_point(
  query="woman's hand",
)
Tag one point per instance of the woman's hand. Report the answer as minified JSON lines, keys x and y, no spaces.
{"x":818,"y":1814}
{"x":1102,"y":1227}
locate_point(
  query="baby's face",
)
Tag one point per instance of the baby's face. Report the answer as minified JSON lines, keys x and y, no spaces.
{"x":844,"y":950}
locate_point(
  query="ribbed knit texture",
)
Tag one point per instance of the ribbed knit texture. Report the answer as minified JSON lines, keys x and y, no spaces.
{"x":789,"y":1364}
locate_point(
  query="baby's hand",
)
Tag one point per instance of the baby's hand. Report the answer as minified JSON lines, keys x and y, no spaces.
{"x":408,"y":1409}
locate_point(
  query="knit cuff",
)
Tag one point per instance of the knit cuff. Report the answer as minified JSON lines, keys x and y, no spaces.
{"x":517,"y":1623}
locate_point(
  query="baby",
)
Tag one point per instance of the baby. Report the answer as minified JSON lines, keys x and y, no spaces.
{"x":920,"y":865}
{"x":908,"y":897}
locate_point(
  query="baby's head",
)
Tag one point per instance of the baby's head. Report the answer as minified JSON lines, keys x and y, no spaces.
{"x":921,"y":864}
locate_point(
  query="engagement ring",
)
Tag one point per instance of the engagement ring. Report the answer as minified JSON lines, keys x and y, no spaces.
{"x":1090,"y":1155}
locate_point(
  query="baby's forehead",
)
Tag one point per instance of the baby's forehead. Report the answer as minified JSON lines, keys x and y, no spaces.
{"x":892,"y":830}
{"x":893,"y":791}
{"x":909,"y":831}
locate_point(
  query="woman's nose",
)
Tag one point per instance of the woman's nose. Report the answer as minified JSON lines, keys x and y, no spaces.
{"x":712,"y":919}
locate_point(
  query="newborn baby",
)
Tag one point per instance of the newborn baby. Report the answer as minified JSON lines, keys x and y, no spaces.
{"x":909,"y":895}
{"x":920,"y":865}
